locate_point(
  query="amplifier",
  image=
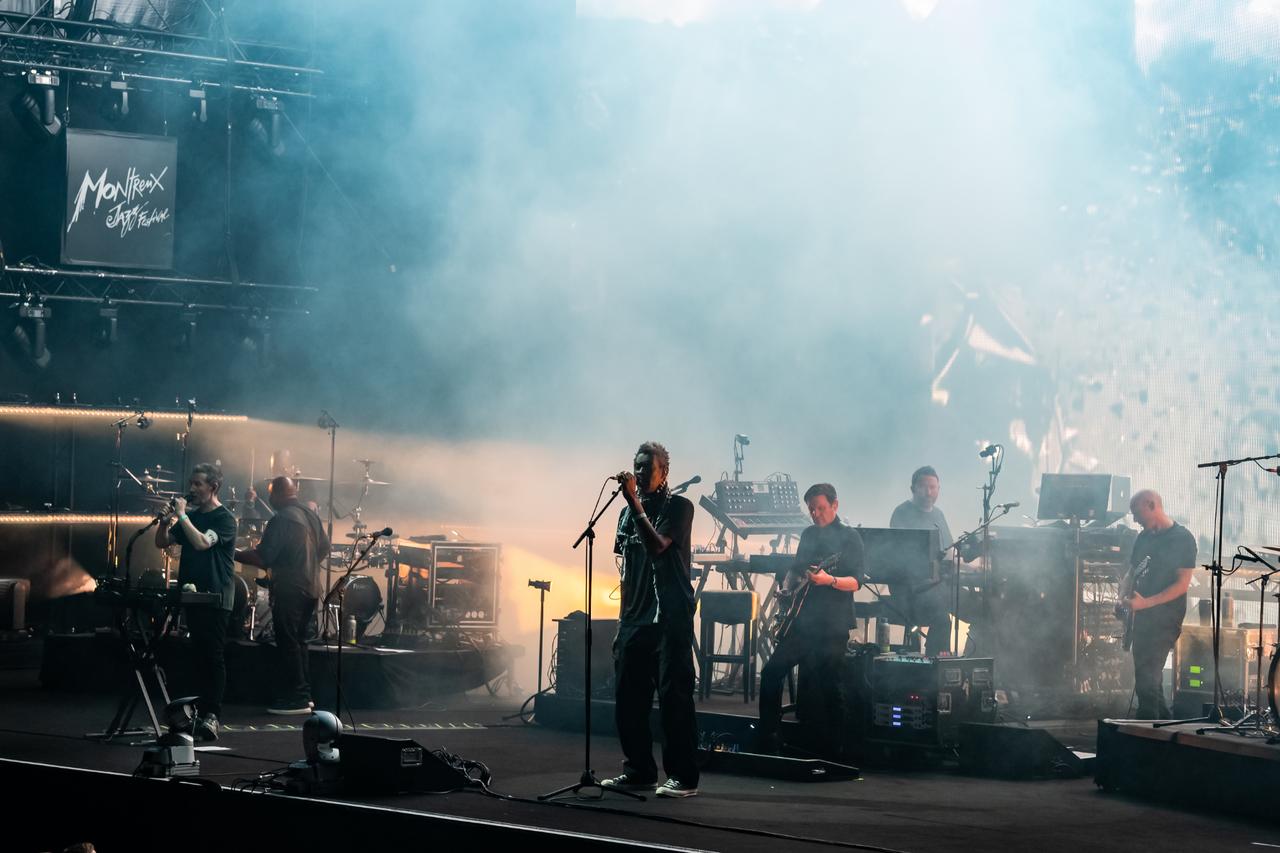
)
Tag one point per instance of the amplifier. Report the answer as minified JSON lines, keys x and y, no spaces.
{"x":1193,"y":662}
{"x":921,"y":701}
{"x":570,"y":645}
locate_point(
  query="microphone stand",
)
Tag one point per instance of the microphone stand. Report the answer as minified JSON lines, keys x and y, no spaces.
{"x":1257,"y":715}
{"x":988,"y":490}
{"x":1215,"y":573}
{"x":954,"y":548}
{"x":327,"y":422}
{"x":588,"y":778}
{"x":340,"y":590}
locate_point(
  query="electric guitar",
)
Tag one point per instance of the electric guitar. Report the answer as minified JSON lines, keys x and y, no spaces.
{"x":1124,"y":612}
{"x":794,"y":598}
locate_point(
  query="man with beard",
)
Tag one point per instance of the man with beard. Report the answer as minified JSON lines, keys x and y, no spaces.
{"x":206,"y":531}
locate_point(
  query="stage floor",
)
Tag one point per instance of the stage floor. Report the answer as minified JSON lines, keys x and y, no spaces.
{"x":934,"y":810}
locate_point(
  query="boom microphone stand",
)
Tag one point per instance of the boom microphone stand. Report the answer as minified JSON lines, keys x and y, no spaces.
{"x":339,"y":591}
{"x":327,"y":422}
{"x":1215,"y":571}
{"x":588,"y":778}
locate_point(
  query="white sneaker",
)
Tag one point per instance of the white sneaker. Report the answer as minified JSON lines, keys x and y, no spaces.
{"x":675,"y":788}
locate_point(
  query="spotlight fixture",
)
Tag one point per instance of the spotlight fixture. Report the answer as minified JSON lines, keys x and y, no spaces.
{"x":116,"y":105}
{"x":187,"y":338}
{"x":265,"y":125}
{"x":36,"y":106}
{"x":108,"y":327}
{"x":200,"y":111}
{"x":174,"y":754}
{"x":34,"y":345}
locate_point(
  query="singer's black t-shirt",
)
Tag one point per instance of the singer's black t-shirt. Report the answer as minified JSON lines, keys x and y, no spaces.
{"x":214,"y":569}
{"x":657,"y":587}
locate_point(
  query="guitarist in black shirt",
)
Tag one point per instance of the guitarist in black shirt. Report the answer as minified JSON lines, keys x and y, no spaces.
{"x":817,"y":630}
{"x":1155,"y":592}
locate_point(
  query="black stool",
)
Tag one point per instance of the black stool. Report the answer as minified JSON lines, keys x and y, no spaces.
{"x":728,"y":608}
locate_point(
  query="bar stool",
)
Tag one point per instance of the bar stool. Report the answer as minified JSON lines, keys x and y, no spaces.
{"x":729,"y":607}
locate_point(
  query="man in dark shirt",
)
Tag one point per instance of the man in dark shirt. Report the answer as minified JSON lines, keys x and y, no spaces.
{"x":930,"y":608}
{"x":293,"y":547}
{"x":818,"y":635}
{"x":207,"y":533}
{"x":654,"y":647}
{"x":1155,"y":589}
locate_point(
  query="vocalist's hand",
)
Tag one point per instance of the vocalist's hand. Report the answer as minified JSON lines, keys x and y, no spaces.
{"x":627,"y":481}
{"x":179,"y":506}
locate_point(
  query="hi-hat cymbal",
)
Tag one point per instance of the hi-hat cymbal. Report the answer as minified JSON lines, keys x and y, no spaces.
{"x":365,"y":483}
{"x":159,"y":497}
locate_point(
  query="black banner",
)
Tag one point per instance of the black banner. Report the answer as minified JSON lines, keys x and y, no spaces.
{"x":120,"y":199}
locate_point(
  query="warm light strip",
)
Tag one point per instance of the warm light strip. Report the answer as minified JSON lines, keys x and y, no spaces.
{"x":111,"y":414}
{"x":34,"y":518}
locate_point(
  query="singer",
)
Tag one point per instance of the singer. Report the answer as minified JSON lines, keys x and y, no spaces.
{"x":293,"y":547}
{"x":206,"y":531}
{"x":654,"y":647}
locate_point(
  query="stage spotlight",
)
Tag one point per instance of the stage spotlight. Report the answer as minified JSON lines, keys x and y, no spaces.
{"x":264,"y":127}
{"x":174,"y":754}
{"x":33,"y":344}
{"x":115,"y":106}
{"x":200,"y":109}
{"x":108,"y":325}
{"x":187,"y":337}
{"x":257,"y":336}
{"x":36,"y":107}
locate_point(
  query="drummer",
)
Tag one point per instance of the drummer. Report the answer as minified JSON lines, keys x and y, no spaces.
{"x":292,"y":549}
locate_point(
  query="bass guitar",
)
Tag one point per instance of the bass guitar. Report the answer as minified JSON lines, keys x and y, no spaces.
{"x":794,"y":597}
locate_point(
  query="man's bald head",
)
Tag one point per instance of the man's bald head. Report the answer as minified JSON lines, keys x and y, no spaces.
{"x":1148,"y":510}
{"x":284,"y":491}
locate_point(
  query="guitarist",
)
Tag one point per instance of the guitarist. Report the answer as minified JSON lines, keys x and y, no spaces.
{"x":1157,"y":597}
{"x":293,"y":547}
{"x":818,"y":632}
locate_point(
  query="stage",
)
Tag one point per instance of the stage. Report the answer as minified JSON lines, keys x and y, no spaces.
{"x":933,"y":809}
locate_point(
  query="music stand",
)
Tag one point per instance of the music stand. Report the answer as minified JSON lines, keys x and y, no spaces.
{"x":906,"y":559}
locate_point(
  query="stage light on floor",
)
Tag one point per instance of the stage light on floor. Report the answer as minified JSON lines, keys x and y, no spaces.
{"x":174,"y":754}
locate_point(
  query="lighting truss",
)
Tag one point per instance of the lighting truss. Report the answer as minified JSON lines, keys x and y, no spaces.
{"x":102,"y":50}
{"x":25,"y":282}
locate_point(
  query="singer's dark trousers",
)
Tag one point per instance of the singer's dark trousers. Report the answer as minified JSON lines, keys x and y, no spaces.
{"x":208,"y":631}
{"x":648,"y":658}
{"x":1151,"y":646}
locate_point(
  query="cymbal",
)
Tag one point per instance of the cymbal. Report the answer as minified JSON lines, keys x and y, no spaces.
{"x":1273,"y":548}
{"x":159,"y":497}
{"x":148,"y":478}
{"x":296,"y":479}
{"x":365,"y":483}
{"x":365,"y":462}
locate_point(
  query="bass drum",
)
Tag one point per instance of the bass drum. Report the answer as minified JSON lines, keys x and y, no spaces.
{"x":362,"y":600}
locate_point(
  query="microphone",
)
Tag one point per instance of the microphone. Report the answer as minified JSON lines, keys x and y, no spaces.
{"x":1009,"y":506}
{"x":989,"y":450}
{"x":1272,"y":470}
{"x":1248,"y":558}
{"x":386,"y":531}
{"x":683,"y":487}
{"x":742,"y":439}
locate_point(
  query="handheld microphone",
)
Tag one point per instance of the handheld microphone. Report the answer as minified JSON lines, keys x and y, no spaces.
{"x":989,"y":450}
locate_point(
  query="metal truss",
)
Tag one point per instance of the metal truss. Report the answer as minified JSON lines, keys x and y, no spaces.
{"x":109,"y":52}
{"x":42,"y":284}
